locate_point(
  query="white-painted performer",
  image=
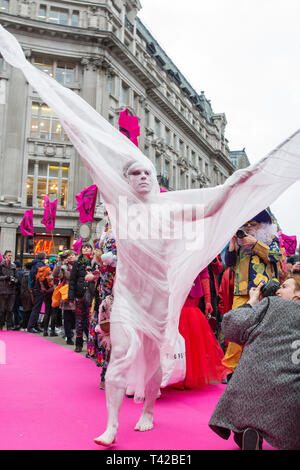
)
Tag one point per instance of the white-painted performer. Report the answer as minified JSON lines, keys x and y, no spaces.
{"x":163,"y":239}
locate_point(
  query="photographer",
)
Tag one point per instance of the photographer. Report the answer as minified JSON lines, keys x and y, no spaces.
{"x":253,"y":253}
{"x":78,"y":290}
{"x":38,"y":294}
{"x":262,"y":399}
{"x":62,"y":272}
{"x":8,"y":282}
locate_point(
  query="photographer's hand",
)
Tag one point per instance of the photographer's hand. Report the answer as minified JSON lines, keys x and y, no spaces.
{"x":249,"y":240}
{"x":232,"y":243}
{"x":255,"y":294}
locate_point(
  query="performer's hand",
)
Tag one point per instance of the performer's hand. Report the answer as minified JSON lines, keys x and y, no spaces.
{"x":89,"y":277}
{"x":208,"y":309}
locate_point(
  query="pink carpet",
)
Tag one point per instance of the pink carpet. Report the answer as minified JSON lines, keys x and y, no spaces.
{"x":50,"y":400}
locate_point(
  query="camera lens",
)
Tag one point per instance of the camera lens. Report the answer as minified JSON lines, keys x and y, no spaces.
{"x":241,"y":234}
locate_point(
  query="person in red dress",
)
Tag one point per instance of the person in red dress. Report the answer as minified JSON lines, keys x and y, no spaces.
{"x":203,"y":353}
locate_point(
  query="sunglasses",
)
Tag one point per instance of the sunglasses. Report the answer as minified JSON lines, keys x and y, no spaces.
{"x":250,"y":224}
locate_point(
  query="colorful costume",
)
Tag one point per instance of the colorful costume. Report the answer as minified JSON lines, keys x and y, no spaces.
{"x":107,"y":245}
{"x":250,"y":269}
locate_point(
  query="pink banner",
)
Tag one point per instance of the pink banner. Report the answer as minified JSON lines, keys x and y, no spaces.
{"x":129,"y":126}
{"x":49,"y":214}
{"x":86,"y":203}
{"x":289,"y":243}
{"x":26,"y":224}
{"x":77,"y":245}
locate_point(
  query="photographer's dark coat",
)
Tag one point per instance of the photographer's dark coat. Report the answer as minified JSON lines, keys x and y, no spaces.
{"x":264,"y":392}
{"x":7,"y":271}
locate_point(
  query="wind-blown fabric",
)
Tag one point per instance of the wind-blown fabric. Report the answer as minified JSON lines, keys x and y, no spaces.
{"x":26,"y":225}
{"x":49,"y":214}
{"x":155,"y":274}
{"x":86,"y":203}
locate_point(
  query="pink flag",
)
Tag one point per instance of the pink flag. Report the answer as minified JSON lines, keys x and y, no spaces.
{"x":26,"y":224}
{"x":86,"y":203}
{"x":49,"y":214}
{"x":129,"y":126}
{"x":77,"y":245}
{"x":289,"y":243}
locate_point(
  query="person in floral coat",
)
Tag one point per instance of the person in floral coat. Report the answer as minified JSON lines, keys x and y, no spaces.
{"x":106,"y":257}
{"x":255,"y":258}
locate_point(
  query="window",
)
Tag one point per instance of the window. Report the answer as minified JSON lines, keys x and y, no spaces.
{"x":75,"y":18}
{"x":200,"y":164}
{"x":4,"y":4}
{"x":42,"y":15}
{"x":59,"y":16}
{"x":167,"y":136}
{"x":45,"y":124}
{"x":182,"y":180}
{"x":193,"y":157}
{"x":44,"y":65}
{"x":166,"y":169}
{"x":181,"y":148}
{"x":124,"y":94}
{"x":174,"y":176}
{"x":156,"y":128}
{"x":52,"y":180}
{"x":147,"y":118}
{"x":157,"y":163}
{"x":111,"y":119}
{"x":63,"y":72}
{"x":111,"y":85}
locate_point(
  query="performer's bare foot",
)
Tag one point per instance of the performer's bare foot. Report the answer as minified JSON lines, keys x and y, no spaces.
{"x":145,"y":423}
{"x":108,"y":438}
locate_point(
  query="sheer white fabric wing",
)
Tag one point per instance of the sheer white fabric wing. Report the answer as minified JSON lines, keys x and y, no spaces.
{"x":154,"y":276}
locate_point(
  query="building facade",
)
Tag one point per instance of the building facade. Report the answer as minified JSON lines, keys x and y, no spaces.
{"x":103,"y":52}
{"x":239,"y":158}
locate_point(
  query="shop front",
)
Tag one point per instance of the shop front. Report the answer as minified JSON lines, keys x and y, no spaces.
{"x":50,"y":243}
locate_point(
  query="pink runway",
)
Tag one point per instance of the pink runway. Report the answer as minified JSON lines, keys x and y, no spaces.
{"x":50,"y":400}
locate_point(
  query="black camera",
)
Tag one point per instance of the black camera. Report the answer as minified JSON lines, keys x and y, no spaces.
{"x":63,"y":255}
{"x":12,"y":280}
{"x":241,"y":234}
{"x":270,"y":288}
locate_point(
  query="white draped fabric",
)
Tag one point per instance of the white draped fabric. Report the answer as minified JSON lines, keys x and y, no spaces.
{"x":188,"y":228}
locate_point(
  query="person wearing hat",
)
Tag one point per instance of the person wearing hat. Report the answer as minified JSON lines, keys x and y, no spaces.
{"x":254,"y":253}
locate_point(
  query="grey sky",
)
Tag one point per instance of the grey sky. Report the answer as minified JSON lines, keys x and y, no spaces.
{"x":245,"y":55}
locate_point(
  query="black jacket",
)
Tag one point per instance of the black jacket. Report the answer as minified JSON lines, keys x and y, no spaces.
{"x":35,"y":265}
{"x":77,"y":284}
{"x":6,"y":273}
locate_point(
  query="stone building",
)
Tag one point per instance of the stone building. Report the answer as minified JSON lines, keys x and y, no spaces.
{"x":102,"y":51}
{"x":239,"y":158}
